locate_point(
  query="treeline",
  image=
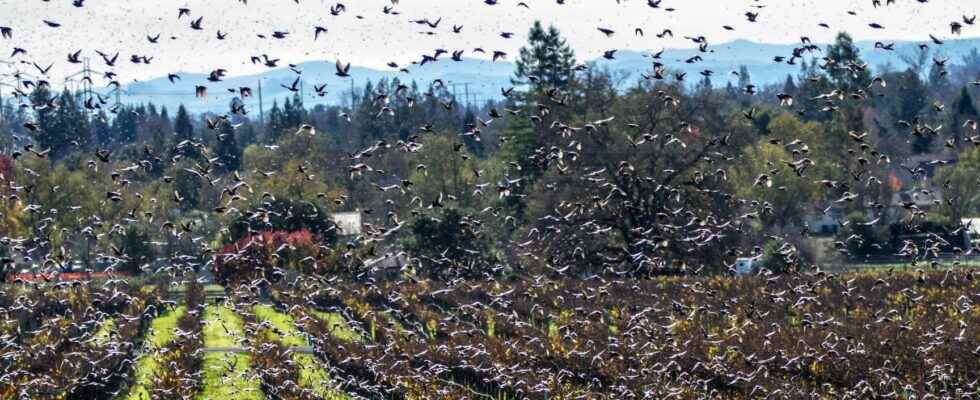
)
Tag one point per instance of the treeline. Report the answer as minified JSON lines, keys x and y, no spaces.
{"x":570,"y":172}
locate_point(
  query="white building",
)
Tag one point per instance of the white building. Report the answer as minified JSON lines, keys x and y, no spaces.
{"x":348,"y":223}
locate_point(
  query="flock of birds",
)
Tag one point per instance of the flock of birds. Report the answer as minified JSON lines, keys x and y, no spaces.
{"x":530,"y":343}
{"x":25,"y":82}
{"x":359,"y":161}
{"x":774,"y":338}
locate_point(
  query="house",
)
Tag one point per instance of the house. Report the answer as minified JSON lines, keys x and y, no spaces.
{"x":389,"y":265}
{"x":348,"y":223}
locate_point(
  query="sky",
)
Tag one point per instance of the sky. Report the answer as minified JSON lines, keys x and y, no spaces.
{"x":365,"y":36}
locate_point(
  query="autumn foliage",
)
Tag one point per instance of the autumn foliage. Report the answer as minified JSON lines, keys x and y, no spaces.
{"x":266,"y":254}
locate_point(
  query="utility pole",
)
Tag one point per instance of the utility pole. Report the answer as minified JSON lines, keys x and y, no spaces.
{"x":352,"y":95}
{"x":261,"y":110}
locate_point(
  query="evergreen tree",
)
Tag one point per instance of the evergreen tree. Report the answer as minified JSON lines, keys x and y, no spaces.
{"x":811,"y":83}
{"x":964,"y":110}
{"x":789,"y":87}
{"x":183,"y":128}
{"x":287,"y":113}
{"x":547,"y":56}
{"x":521,"y":154}
{"x":44,"y":116}
{"x":848,"y":73}
{"x":161,"y":130}
{"x":911,"y":96}
{"x":448,"y":236}
{"x":277,"y":122}
{"x":744,"y":78}
{"x":939,"y":84}
{"x":731,"y":92}
{"x":295,"y":112}
{"x":744,"y":81}
{"x":187,"y":185}
{"x":844,"y":65}
{"x":372,"y":128}
{"x":229,"y":154}
{"x":101,"y":130}
{"x":125,"y":125}
{"x":135,"y":243}
{"x":68,"y":124}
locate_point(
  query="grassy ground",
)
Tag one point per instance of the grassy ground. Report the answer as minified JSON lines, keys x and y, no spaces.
{"x":104,"y":333}
{"x":161,"y":333}
{"x":226,"y":375}
{"x":311,"y":374}
{"x":338,"y":326}
{"x":902,"y":266}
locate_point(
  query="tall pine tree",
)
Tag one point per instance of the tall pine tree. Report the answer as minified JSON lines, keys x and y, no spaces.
{"x":229,"y":154}
{"x":277,"y":122}
{"x":68,"y":127}
{"x":964,"y":110}
{"x":183,"y":128}
{"x":547,"y":57}
{"x":850,"y":74}
{"x":844,"y":65}
{"x":101,"y":130}
{"x":44,"y":111}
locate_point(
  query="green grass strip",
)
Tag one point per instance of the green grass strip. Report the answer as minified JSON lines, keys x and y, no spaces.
{"x":311,"y":375}
{"x":104,"y":333}
{"x":338,"y":326}
{"x":226,"y":375}
{"x":160,"y":334}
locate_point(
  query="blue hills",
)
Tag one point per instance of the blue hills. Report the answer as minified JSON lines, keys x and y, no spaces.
{"x":482,"y":79}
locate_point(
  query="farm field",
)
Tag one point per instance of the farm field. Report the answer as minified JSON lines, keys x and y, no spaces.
{"x":860,"y":335}
{"x":489,"y":200}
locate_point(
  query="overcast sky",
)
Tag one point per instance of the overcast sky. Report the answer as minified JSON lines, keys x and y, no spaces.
{"x":365,"y":36}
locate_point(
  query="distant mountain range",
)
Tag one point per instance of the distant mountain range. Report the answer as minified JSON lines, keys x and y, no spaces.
{"x":483,"y":79}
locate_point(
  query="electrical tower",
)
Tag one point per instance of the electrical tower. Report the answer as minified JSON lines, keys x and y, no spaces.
{"x":466,"y":91}
{"x":13,"y":82}
{"x":83,"y":85}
